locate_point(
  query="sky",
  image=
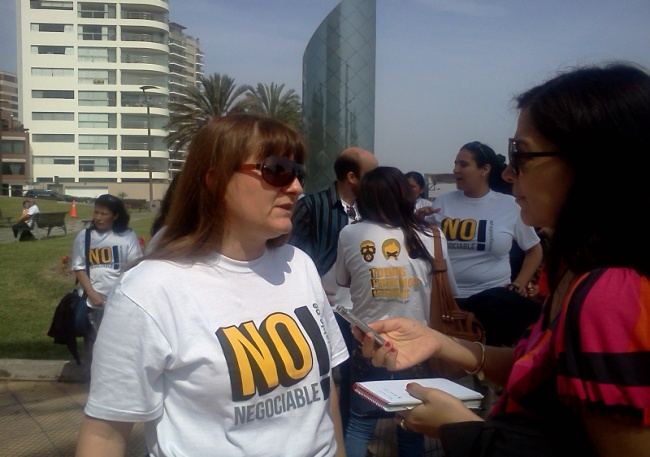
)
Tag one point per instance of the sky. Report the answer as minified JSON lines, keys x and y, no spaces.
{"x":446,"y":70}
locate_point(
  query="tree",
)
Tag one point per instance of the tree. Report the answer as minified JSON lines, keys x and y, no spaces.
{"x":270,"y":100}
{"x":214,"y":96}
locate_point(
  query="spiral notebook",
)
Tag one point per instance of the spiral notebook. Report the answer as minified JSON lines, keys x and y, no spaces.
{"x":391,"y":394}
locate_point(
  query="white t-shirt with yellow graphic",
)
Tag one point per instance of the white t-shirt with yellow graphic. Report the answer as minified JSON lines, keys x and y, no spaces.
{"x":220,"y":358}
{"x":384,"y":281}
{"x":480,"y":232}
{"x":110,"y":255}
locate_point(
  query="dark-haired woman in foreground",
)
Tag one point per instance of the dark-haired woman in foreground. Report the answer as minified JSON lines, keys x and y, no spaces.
{"x":579,"y":383}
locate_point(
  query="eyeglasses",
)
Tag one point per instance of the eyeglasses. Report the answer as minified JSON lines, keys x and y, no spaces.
{"x":514,"y":156}
{"x":277,"y":171}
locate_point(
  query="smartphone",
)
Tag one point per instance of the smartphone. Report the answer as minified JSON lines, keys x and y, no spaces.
{"x":354,"y":320}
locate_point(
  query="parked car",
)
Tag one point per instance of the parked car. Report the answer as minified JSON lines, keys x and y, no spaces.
{"x":47,"y":194}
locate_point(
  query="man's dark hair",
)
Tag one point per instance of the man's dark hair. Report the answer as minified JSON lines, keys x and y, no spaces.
{"x":344,"y":164}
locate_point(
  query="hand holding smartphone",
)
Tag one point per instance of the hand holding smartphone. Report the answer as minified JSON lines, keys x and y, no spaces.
{"x":354,"y":320}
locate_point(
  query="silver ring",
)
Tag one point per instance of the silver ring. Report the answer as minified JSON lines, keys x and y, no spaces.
{"x":401,"y":424}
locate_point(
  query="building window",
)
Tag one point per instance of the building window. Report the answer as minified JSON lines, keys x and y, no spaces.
{"x":98,"y":142}
{"x":56,"y":72}
{"x":59,"y":28}
{"x":45,"y":5}
{"x":97,"y":120}
{"x":53,"y":160}
{"x":135,"y":164}
{"x":96,"y":10}
{"x":62,"y":50}
{"x":96,"y":76}
{"x":53,"y":138}
{"x":141,"y":143}
{"x":43,"y":116}
{"x":13,"y":147}
{"x":97,"y":55}
{"x":97,"y":163}
{"x":8,"y":78}
{"x":63,"y":94}
{"x":96,"y":33}
{"x":13,"y":168}
{"x":92,"y":98}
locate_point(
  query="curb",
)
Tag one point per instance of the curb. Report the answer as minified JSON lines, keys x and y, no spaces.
{"x":41,"y":370}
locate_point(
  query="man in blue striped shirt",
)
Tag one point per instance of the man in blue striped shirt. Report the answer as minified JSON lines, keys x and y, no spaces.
{"x":317,"y":220}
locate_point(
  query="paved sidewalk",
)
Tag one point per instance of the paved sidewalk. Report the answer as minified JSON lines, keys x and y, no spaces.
{"x":41,"y":410}
{"x":42,"y":419}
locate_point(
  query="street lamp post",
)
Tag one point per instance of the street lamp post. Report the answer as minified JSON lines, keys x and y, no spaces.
{"x":2,"y":134}
{"x":146,"y":100}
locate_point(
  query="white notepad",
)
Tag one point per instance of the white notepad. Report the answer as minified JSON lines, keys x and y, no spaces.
{"x":391,"y":394}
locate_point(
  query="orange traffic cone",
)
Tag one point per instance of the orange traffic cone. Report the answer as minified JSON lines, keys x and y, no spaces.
{"x":73,"y":211}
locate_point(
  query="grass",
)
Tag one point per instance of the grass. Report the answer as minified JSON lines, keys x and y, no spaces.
{"x":33,"y":280}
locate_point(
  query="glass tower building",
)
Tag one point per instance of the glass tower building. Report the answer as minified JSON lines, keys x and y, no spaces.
{"x":339,"y":87}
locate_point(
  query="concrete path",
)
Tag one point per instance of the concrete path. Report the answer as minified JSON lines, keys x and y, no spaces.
{"x":42,"y":418}
{"x":39,"y":418}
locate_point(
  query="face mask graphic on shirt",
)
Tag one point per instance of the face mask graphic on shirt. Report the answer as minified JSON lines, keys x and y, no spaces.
{"x":368,"y":250}
{"x":391,"y":249}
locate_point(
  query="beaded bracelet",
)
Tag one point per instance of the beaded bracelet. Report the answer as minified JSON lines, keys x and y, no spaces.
{"x":479,"y":370}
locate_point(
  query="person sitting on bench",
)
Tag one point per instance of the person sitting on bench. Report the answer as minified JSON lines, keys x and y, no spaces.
{"x":26,"y":221}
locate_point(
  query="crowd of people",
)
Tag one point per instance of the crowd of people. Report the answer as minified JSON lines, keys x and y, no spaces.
{"x":221,"y":337}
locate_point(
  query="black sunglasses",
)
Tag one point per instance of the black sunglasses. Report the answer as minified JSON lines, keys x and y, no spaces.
{"x":277,"y":171}
{"x":514,"y":156}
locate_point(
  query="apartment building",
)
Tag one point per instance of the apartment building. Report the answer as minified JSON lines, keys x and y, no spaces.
{"x":94,"y":80}
{"x":14,"y":145}
{"x":185,"y":68}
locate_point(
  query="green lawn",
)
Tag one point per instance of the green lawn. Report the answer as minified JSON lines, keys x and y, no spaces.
{"x":33,"y":280}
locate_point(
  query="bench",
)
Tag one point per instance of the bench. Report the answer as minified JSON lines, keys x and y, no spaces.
{"x":132,"y":204}
{"x":45,"y":221}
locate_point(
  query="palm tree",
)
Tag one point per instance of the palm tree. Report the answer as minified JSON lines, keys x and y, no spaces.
{"x":270,"y":100}
{"x":214,"y":96}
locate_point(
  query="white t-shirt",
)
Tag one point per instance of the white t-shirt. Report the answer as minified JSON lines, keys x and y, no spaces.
{"x":220,"y":358}
{"x":110,"y":255}
{"x":479,"y":235}
{"x":384,"y":281}
{"x":421,"y":203}
{"x":32,"y":211}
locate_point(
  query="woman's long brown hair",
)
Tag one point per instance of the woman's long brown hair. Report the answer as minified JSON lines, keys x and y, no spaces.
{"x":197,"y":220}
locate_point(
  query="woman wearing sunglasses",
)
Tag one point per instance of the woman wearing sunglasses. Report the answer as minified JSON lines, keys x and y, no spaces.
{"x":578,"y":384}
{"x":222,"y":340}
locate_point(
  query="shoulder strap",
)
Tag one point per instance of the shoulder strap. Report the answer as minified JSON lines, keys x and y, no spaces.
{"x":88,"y":233}
{"x":439,"y":262}
{"x":87,"y":251}
{"x":442,"y":302}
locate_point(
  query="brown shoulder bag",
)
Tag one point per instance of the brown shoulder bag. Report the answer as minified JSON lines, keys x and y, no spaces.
{"x":445,"y":314}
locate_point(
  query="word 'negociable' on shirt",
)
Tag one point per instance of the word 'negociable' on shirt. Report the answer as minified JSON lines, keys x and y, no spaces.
{"x":279,"y":404}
